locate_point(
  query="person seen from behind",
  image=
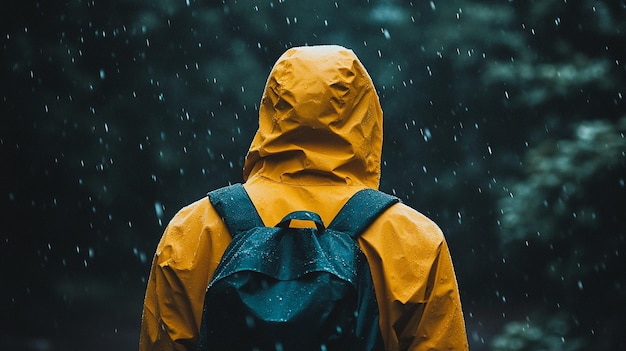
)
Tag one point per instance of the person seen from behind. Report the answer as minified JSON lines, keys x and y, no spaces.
{"x":319,"y":142}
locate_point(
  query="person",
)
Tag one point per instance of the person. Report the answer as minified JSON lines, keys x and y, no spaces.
{"x":319,"y":141}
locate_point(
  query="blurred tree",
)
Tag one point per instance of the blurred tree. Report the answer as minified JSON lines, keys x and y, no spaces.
{"x":502,"y":119}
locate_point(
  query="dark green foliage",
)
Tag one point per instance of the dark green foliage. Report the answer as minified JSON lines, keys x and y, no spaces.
{"x":504,"y":122}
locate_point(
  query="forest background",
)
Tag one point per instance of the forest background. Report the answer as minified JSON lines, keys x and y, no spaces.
{"x":504,"y":123}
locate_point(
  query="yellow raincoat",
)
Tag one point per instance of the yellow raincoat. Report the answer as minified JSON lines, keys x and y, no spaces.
{"x":319,"y":141}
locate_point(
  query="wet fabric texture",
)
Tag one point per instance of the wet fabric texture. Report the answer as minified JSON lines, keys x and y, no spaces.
{"x":319,"y":141}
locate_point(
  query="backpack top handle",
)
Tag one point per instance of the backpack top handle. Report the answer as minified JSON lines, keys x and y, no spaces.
{"x":302,"y":216}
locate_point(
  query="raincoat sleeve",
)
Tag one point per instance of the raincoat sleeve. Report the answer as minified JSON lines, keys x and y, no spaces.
{"x":185,"y":259}
{"x":420,"y":306}
{"x":440,"y":325}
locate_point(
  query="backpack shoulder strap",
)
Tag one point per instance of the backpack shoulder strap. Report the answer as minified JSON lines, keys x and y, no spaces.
{"x":237,"y":210}
{"x":361,"y":211}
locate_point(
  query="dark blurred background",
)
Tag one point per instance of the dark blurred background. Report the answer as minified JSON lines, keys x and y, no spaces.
{"x":504,"y":122}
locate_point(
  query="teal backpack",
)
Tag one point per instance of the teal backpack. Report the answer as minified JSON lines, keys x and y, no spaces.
{"x":282,"y":288}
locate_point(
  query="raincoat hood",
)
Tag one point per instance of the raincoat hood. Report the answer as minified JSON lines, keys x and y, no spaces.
{"x":320,"y":121}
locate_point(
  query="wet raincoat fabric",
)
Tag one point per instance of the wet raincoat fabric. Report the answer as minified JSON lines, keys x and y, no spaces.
{"x":319,"y":141}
